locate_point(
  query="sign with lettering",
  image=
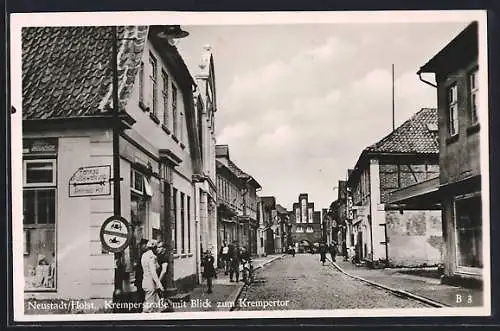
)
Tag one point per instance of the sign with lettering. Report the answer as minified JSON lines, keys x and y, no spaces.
{"x":40,"y":146}
{"x":115,"y":234}
{"x":90,"y":181}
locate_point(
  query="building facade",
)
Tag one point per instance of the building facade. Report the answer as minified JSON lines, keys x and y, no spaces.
{"x":269,"y":216}
{"x":67,"y":145}
{"x":456,"y":71}
{"x":386,"y":232}
{"x":205,"y":189}
{"x":237,"y":202}
{"x":306,"y":225}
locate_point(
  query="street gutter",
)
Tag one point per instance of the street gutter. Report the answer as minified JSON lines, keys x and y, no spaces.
{"x":397,"y":292}
{"x":236,"y":293}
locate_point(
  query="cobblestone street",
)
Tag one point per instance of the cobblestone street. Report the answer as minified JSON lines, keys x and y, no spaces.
{"x":306,"y":284}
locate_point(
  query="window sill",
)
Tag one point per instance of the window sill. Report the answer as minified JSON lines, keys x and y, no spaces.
{"x":452,"y":139}
{"x":164,"y":128}
{"x":473,"y":128}
{"x":190,"y":254}
{"x":183,"y":256}
{"x":183,"y":146}
{"x":176,"y":256}
{"x":143,"y":106}
{"x":154,"y":118}
{"x":175,"y":139}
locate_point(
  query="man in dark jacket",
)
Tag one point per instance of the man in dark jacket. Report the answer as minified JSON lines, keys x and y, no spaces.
{"x":333,"y":250}
{"x":234,"y":264}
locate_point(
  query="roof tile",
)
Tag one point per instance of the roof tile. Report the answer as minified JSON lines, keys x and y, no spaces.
{"x":413,"y":136}
{"x":66,"y":70}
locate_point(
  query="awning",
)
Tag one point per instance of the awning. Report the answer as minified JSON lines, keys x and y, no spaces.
{"x":423,"y":195}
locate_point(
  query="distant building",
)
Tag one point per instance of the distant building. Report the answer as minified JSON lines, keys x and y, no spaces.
{"x":385,"y":231}
{"x":269,"y":215}
{"x":456,"y":71}
{"x":306,"y":223}
{"x":237,"y":202}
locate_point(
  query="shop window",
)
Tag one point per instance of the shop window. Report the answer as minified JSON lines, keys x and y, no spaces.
{"x":39,"y":224}
{"x":189,"y":224}
{"x":174,"y":221}
{"x":468,"y":225}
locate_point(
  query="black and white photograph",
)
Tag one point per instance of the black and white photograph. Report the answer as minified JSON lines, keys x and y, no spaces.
{"x":181,"y":165}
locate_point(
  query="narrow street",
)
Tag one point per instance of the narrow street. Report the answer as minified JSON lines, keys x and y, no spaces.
{"x":306,"y":284}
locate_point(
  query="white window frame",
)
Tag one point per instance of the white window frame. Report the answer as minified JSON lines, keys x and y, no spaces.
{"x":463,"y":269}
{"x":47,"y":184}
{"x":153,"y":81}
{"x":452,"y":108}
{"x":473,"y":93}
{"x":165,"y":97}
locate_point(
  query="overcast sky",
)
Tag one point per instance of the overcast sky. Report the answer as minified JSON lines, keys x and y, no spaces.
{"x":298,"y":103}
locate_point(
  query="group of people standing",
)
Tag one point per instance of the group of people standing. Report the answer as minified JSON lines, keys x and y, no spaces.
{"x":231,"y":256}
{"x":150,"y":278}
{"x":325,"y":248}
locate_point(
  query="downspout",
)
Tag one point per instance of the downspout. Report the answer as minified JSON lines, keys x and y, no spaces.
{"x":419,"y":73}
{"x":197,"y":233}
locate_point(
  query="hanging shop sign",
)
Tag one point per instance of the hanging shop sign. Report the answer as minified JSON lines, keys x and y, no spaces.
{"x":90,"y":181}
{"x":115,"y":234}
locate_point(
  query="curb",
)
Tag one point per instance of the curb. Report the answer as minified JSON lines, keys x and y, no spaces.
{"x":236,"y":294}
{"x":399,"y":293}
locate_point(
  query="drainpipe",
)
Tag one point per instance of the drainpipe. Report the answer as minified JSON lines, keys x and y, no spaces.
{"x":197,"y":233}
{"x":419,"y":73}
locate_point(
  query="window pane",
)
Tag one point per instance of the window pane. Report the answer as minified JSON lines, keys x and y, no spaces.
{"x":46,"y":202}
{"x":40,"y":260}
{"x":138,"y":182}
{"x":28,"y":207}
{"x":39,"y":172}
{"x":469,"y":232}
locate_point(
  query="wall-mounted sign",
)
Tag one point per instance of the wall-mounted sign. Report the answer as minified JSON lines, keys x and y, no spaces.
{"x":40,"y":146}
{"x":90,"y":181}
{"x":115,"y":234}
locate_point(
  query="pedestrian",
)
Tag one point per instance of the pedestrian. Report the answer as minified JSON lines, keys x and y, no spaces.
{"x":234,"y":264}
{"x":162,"y":257}
{"x":344,"y":250}
{"x":224,"y":257}
{"x":322,"y":252}
{"x":151,"y":282}
{"x":139,"y":273}
{"x":208,"y":273}
{"x":333,"y":250}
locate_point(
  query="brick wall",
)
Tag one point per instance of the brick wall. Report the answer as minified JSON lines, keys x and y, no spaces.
{"x":415,"y":237}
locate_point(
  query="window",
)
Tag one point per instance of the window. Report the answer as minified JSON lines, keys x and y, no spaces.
{"x":39,"y":219}
{"x":189,"y":223}
{"x":310,"y":215}
{"x":299,"y":229}
{"x":141,"y":83}
{"x":297,"y":215}
{"x":174,"y":110}
{"x":468,"y":222}
{"x":165,"y":97}
{"x":452,"y":110}
{"x":174,"y":221}
{"x":183,"y":247}
{"x":39,"y":172}
{"x":152,"y":78}
{"x":309,"y":229}
{"x":474,"y":93}
{"x":304,"y":211}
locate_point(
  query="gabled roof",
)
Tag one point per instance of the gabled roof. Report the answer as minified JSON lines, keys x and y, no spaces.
{"x":67,"y":70}
{"x":456,"y":53}
{"x":416,"y":135}
{"x":280,"y":209}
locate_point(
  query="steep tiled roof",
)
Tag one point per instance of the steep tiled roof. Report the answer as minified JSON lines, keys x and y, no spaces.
{"x":67,"y":70}
{"x":416,"y":135}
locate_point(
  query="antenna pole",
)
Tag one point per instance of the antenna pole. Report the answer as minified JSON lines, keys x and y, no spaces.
{"x":393,"y":124}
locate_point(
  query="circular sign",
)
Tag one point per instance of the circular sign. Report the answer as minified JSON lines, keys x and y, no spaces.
{"x":115,"y":234}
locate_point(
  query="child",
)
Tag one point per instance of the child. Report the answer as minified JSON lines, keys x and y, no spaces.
{"x":208,"y":269}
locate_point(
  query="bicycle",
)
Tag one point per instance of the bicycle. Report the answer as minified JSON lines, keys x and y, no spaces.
{"x":248,"y":272}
